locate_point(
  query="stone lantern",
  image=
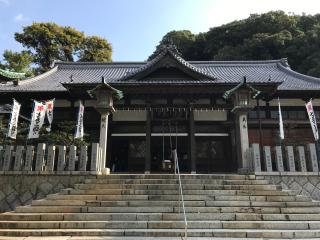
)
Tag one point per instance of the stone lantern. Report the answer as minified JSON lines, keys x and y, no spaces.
{"x":240,"y":96}
{"x":104,"y":95}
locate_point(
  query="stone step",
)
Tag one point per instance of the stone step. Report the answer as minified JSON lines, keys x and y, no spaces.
{"x":288,"y":225}
{"x":155,"y":233}
{"x":188,"y":209}
{"x":243,"y":217}
{"x":175,"y":181}
{"x":156,"y":217}
{"x":146,"y":206}
{"x":175,"y":187}
{"x":58,"y":202}
{"x":193,"y":203}
{"x":162,"y":209}
{"x":131,"y":203}
{"x":260,"y":204}
{"x":245,"y":182}
{"x":172,"y":192}
{"x":277,"y":217}
{"x":176,"y":197}
{"x":48,"y":209}
{"x":183,"y":176}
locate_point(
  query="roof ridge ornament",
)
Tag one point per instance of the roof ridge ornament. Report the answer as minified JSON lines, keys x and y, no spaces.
{"x":168,"y":45}
{"x":284,"y":62}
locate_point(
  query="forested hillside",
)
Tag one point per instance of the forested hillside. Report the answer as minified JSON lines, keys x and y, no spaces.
{"x":272,"y":35}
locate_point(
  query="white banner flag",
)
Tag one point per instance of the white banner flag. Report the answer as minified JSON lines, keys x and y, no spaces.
{"x":13,"y":123}
{"x":313,"y":120}
{"x":79,"y":128}
{"x":49,"y":111}
{"x":281,"y":132}
{"x":37,"y":119}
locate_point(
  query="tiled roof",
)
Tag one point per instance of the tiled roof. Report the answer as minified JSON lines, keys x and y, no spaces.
{"x":172,"y":54}
{"x":213,"y":72}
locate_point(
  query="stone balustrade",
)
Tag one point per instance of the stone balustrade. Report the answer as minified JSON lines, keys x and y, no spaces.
{"x":50,"y":159}
{"x":283,"y":159}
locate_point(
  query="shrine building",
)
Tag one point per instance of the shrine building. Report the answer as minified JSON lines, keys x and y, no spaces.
{"x":210,"y":111}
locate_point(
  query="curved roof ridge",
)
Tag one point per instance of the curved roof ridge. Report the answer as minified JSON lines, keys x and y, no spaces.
{"x":39,"y":77}
{"x":144,"y":67}
{"x":155,"y":60}
{"x":274,"y":61}
{"x":61,"y":63}
{"x":189,"y":65}
{"x":244,"y":62}
{"x":288,"y":70}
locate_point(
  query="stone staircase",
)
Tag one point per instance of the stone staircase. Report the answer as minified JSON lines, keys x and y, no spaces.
{"x":217,"y":206}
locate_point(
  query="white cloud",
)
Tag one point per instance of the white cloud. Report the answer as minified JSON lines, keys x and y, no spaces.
{"x":19,"y":17}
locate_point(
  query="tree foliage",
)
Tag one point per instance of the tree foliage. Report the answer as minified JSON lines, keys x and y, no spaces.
{"x":46,"y":42}
{"x":95,"y":49}
{"x":62,"y":134}
{"x":271,"y":35}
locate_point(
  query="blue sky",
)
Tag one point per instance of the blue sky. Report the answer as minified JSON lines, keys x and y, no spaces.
{"x":134,"y":27}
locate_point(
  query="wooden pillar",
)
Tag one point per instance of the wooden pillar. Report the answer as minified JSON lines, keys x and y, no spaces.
{"x":148,"y":142}
{"x":192,"y":141}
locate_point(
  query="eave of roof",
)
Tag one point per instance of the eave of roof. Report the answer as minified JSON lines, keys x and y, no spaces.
{"x":11,"y":75}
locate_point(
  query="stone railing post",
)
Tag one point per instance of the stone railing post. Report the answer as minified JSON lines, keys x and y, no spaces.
{"x":302,"y":159}
{"x":1,"y":157}
{"x":290,"y":159}
{"x":29,"y":158}
{"x":7,"y":159}
{"x":40,"y":157}
{"x":61,"y":158}
{"x":95,"y":155}
{"x":312,"y":153}
{"x":279,"y":159}
{"x":267,"y":158}
{"x":83,"y":158}
{"x":72,"y":158}
{"x":18,"y":158}
{"x":256,"y":160}
{"x":50,"y":158}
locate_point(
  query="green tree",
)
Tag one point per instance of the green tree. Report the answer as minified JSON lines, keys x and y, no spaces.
{"x":95,"y":49}
{"x":271,"y":35}
{"x":48,"y":42}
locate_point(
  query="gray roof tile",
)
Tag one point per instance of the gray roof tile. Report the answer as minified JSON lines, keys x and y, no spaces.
{"x":217,"y":72}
